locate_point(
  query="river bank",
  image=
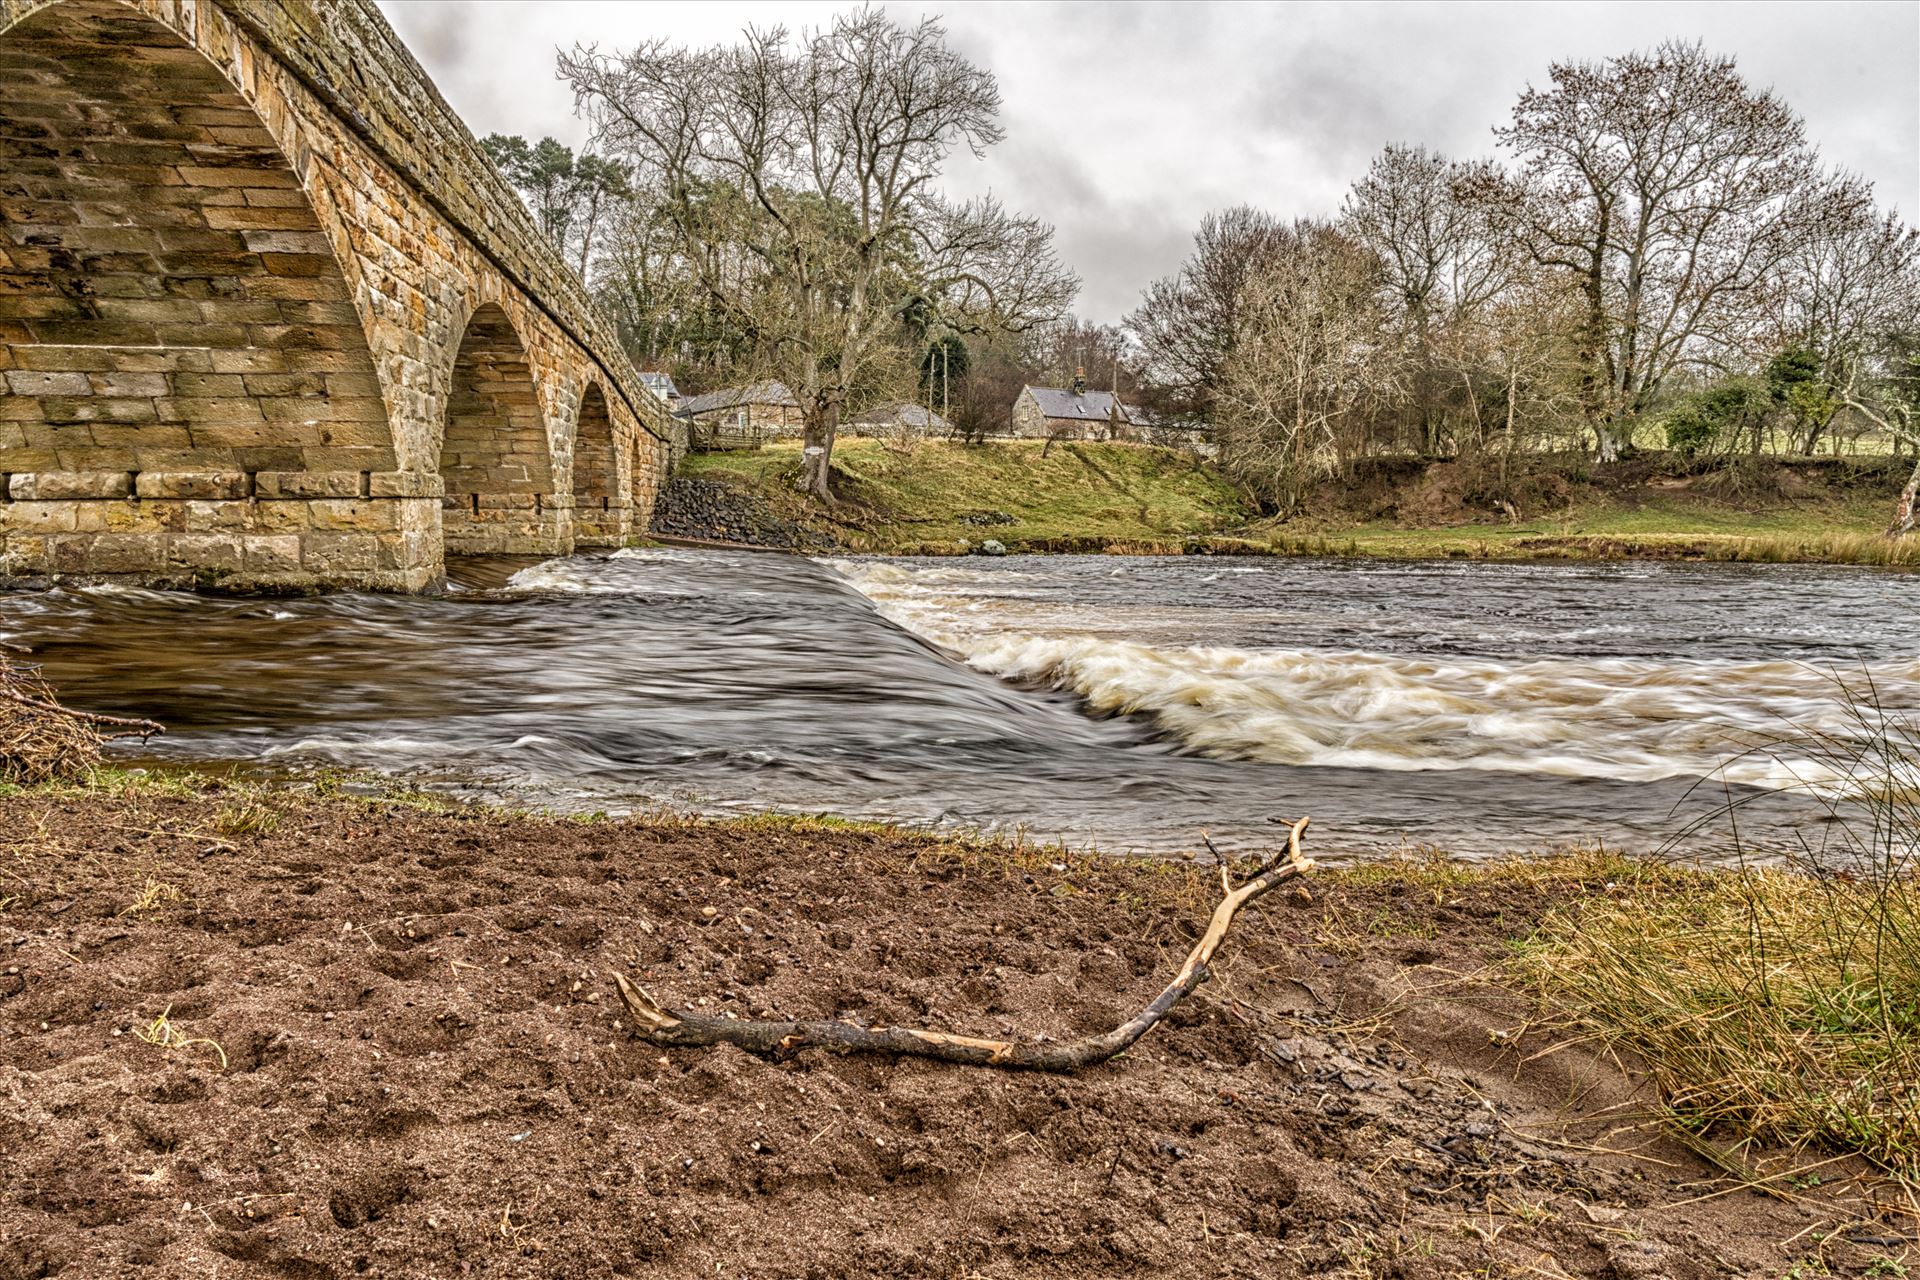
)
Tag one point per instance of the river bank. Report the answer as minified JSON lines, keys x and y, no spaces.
{"x":322,"y":1035}
{"x":1075,"y":497}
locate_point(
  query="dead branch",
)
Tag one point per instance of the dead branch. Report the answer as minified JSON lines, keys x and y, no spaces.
{"x":43,"y":741}
{"x":678,"y":1029}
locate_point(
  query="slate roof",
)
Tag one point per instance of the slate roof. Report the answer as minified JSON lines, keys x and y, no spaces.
{"x":1088,"y":406}
{"x":661,"y":384}
{"x":727,"y":398}
{"x":908,"y":414}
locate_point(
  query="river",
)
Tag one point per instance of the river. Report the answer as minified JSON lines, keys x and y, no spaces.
{"x":1114,"y":702}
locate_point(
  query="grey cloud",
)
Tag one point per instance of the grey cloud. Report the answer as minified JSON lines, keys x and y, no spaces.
{"x":1127,"y":122}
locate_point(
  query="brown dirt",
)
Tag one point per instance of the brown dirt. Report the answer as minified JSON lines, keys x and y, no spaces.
{"x":426,"y":1075}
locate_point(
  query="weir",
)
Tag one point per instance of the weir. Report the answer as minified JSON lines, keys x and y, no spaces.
{"x":270,"y":320}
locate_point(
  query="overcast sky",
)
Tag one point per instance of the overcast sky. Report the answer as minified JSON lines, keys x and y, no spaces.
{"x":1127,"y":122}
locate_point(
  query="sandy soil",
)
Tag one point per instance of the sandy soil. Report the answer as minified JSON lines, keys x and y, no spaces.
{"x":425,"y":1071}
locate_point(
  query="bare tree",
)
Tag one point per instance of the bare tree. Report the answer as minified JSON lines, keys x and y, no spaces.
{"x":1882,"y":384}
{"x":1437,"y":243}
{"x":798,"y":177}
{"x":1837,"y":297}
{"x":1516,"y":356}
{"x":1313,"y":360}
{"x":1187,"y":323}
{"x":1668,"y":189}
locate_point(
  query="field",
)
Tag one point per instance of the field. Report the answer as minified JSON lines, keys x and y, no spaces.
{"x":943,"y":499}
{"x":1017,"y":492}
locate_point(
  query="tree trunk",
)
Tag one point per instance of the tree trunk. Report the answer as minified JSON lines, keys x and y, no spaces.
{"x":586,"y":237}
{"x":1612,"y":443}
{"x":1903,"y":513}
{"x":817,"y":453}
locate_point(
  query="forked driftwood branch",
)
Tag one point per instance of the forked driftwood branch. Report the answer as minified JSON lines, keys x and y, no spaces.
{"x":42,"y":740}
{"x":678,"y":1029}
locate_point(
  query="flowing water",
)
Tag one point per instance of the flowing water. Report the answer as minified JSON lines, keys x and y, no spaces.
{"x":1125,"y":703}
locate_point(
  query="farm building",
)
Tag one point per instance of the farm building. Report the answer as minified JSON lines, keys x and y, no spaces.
{"x":741,"y":417}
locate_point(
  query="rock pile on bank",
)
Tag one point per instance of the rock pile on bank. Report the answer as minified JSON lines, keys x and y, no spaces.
{"x":713,"y":511}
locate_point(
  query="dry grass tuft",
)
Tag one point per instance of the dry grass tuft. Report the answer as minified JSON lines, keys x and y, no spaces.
{"x":154,"y":895}
{"x":39,"y":740}
{"x":1771,"y":1005}
{"x":163,"y":1033}
{"x":1765,"y":1004}
{"x":247,"y":819}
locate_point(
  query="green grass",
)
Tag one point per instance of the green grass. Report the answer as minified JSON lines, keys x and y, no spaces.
{"x":1077,"y":496}
{"x":1768,"y":1007}
{"x":1127,"y":498}
{"x":1658,"y":526}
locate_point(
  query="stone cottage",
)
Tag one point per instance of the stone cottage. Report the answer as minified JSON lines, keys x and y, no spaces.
{"x":741,"y":417}
{"x":1072,"y":413}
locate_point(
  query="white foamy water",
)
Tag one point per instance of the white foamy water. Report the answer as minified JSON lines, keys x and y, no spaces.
{"x":1630,"y":719}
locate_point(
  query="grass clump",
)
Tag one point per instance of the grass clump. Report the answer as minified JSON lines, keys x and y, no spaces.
{"x":1765,"y":1004}
{"x":246,"y":819}
{"x":1771,"y":1005}
{"x":165,"y":1034}
{"x":153,"y":895}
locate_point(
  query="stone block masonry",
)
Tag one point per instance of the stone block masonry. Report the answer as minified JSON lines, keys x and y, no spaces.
{"x":270,"y":320}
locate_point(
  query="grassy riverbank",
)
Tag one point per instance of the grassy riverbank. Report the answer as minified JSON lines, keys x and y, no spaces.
{"x":1025,"y":496}
{"x":946,"y":499}
{"x":321,"y":1034}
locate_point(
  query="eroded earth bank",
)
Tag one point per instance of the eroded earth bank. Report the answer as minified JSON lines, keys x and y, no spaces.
{"x":391,"y":1046}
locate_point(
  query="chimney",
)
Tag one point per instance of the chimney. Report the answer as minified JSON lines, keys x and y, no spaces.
{"x":1079,"y":381}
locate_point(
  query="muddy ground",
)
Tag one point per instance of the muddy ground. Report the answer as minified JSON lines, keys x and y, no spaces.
{"x":426,"y":1073}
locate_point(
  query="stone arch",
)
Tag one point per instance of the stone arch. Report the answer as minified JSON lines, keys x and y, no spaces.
{"x":188,"y":384}
{"x":599,"y":500}
{"x":496,"y":464}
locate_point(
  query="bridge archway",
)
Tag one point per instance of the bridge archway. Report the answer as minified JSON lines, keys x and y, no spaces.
{"x":495,"y":459}
{"x":598,"y":505}
{"x":189,"y":389}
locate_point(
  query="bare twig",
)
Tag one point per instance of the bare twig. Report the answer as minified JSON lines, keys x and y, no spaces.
{"x":43,"y":741}
{"x":678,"y":1029}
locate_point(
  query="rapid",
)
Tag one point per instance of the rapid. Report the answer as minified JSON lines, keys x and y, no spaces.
{"x":1115,"y":702}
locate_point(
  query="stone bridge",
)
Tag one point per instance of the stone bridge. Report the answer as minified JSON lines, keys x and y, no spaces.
{"x":269,"y":319}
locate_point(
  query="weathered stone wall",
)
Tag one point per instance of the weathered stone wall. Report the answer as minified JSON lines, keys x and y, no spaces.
{"x":1028,"y":420}
{"x":246,"y":248}
{"x":745,"y":426}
